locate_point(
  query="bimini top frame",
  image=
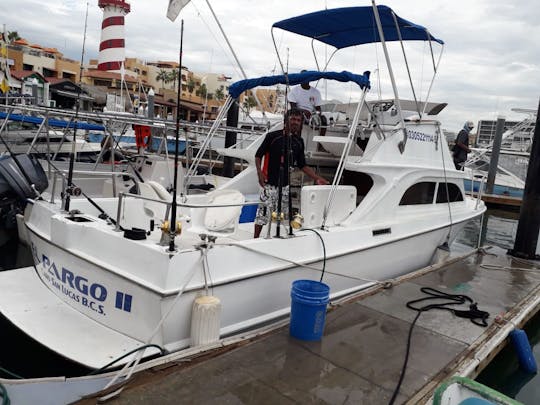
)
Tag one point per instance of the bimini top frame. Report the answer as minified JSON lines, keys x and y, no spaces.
{"x":351,"y":26}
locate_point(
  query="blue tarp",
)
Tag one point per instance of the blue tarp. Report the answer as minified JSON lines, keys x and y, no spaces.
{"x":350,"y":26}
{"x":296,"y":78}
{"x":52,"y":122}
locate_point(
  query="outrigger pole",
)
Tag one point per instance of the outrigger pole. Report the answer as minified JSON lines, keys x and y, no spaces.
{"x":176,"y":136}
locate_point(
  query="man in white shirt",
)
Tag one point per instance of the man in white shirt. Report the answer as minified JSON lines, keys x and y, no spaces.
{"x":308,"y":99}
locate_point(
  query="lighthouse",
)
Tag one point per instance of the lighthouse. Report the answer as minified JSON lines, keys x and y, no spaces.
{"x":112,"y":45}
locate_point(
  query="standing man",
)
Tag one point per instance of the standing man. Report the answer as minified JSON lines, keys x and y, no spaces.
{"x":276,"y":162}
{"x":308,"y":99}
{"x":461,"y":148}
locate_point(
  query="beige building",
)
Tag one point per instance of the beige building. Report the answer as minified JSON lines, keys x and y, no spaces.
{"x":48,"y":62}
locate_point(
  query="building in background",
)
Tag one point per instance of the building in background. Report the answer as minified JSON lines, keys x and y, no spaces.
{"x":520,"y":140}
{"x":48,"y":62}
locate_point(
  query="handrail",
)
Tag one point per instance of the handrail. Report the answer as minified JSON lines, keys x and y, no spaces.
{"x":88,"y":172}
{"x":123,"y":195}
{"x":344,"y":154}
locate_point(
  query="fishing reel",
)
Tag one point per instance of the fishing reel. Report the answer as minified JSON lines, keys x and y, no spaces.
{"x":297,"y":221}
{"x":74,"y":191}
{"x":165,"y":227}
{"x":275,"y":216}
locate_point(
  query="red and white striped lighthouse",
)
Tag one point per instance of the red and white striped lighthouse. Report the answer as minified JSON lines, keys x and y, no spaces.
{"x":111,"y":48}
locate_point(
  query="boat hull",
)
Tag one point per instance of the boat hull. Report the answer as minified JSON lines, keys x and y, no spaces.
{"x":257,"y":293}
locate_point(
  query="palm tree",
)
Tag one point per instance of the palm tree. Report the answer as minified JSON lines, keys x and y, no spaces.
{"x":249,"y":103}
{"x":173,"y":77}
{"x":220,"y":93}
{"x":191,"y":85}
{"x":163,"y":76}
{"x":13,"y":36}
{"x":202,"y":91}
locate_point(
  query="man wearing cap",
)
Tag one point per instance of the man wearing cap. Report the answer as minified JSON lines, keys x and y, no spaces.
{"x":461,"y":147}
{"x":273,"y":174}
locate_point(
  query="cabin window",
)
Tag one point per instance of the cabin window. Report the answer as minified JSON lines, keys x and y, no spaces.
{"x":454,"y":193}
{"x":419,"y":193}
{"x":362,"y":181}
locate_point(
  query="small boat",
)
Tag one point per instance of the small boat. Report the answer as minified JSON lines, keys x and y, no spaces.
{"x":512,"y":162}
{"x":129,"y":139}
{"x":121,"y":277}
{"x":464,"y":391}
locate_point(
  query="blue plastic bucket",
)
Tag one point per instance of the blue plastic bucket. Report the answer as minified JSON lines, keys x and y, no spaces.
{"x":308,"y":309}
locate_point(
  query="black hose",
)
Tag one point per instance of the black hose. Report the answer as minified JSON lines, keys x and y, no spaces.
{"x":473,"y":314}
{"x":324,"y":250}
{"x":106,"y":366}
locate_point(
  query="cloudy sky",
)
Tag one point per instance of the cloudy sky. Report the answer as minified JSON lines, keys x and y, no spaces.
{"x":490,"y":60}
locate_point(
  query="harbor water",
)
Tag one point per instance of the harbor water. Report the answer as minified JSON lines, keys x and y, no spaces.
{"x":499,"y":229}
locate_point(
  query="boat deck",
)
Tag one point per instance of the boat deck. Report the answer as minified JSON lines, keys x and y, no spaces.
{"x":361,"y":354}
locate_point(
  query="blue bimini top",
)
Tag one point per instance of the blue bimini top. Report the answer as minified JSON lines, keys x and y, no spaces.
{"x":350,"y":26}
{"x":297,"y":78}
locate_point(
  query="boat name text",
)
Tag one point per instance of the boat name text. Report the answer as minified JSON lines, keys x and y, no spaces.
{"x":420,"y":136}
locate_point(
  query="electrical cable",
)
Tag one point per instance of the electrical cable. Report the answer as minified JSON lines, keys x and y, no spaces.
{"x":475,"y":315}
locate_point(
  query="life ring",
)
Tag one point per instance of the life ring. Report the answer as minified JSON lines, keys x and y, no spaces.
{"x":142,"y":135}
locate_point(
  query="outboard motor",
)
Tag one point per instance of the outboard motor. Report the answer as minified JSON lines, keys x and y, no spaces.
{"x":15,"y":187}
{"x":15,"y":183}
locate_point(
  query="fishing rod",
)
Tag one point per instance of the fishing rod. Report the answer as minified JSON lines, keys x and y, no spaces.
{"x":176,"y":136}
{"x":70,"y":187}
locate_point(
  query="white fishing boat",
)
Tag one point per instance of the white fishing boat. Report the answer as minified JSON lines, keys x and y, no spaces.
{"x":112,"y":279}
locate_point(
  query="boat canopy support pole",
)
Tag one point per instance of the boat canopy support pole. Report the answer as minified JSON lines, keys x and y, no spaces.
{"x":343,"y":158}
{"x":435,"y":70}
{"x":213,"y":130}
{"x":37,"y":134}
{"x":406,"y":64}
{"x":392,"y":78}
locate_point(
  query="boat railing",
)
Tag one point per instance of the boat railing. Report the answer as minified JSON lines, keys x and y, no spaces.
{"x":168,"y":204}
{"x":63,"y":174}
{"x":480,"y":189}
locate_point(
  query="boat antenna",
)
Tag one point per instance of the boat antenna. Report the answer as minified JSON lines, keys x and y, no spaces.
{"x":176,"y":136}
{"x":71,"y":188}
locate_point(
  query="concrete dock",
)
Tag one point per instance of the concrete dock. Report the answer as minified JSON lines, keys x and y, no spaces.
{"x":361,"y":354}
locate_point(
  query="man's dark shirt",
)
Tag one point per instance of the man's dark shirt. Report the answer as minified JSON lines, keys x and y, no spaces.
{"x":273,"y":150}
{"x":460,"y":154}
